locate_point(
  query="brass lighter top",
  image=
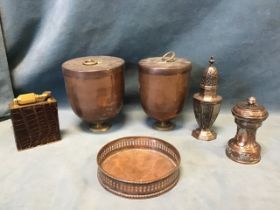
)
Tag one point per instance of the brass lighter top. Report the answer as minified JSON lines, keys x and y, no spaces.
{"x":92,"y":64}
{"x":31,"y":98}
{"x":167,"y":64}
{"x":250,"y":109}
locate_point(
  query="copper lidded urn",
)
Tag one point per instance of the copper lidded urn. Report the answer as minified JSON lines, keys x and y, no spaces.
{"x":164,"y":83}
{"x":95,"y":88}
{"x":249,"y":116}
{"x":207,"y":103}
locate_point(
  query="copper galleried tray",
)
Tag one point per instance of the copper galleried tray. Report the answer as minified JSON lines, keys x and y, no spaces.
{"x":138,"y":167}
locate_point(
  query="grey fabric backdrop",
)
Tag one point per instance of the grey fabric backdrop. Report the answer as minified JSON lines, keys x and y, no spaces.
{"x":243,"y":35}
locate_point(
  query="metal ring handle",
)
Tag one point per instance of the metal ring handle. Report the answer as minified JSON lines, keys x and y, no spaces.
{"x":169,"y":56}
{"x":90,"y":62}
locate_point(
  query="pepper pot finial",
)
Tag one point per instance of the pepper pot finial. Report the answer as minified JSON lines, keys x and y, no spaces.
{"x":211,"y":60}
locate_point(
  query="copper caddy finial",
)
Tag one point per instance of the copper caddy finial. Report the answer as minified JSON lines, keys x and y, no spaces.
{"x":249,"y":116}
{"x":207,"y":104}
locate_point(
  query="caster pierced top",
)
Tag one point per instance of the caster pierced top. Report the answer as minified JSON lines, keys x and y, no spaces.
{"x":209,"y":84}
{"x":210,"y":76}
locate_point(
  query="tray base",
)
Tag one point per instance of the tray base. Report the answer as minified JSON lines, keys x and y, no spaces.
{"x":140,"y":165}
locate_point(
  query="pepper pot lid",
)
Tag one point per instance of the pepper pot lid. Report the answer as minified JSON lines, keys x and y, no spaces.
{"x":209,"y":78}
{"x":250,"y":109}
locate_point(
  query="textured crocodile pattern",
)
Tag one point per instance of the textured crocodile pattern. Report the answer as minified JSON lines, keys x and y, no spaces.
{"x":35,"y":124}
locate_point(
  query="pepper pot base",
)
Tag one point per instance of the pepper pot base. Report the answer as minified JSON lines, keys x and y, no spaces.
{"x":249,"y":154}
{"x":163,"y":126}
{"x":204,"y":135}
{"x":100,"y":127}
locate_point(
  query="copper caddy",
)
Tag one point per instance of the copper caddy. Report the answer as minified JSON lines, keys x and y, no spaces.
{"x":207,"y":103}
{"x":164,"y":83}
{"x":95,"y":88}
{"x":249,"y":116}
{"x":138,"y":166}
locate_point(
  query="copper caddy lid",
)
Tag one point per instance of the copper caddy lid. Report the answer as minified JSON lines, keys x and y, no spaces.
{"x":92,"y":65}
{"x":250,"y":109}
{"x":168,"y":64}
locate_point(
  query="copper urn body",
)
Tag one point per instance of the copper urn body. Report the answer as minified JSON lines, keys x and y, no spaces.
{"x":95,"y":88}
{"x":249,"y":116}
{"x":163,"y":85}
{"x":206,"y":104}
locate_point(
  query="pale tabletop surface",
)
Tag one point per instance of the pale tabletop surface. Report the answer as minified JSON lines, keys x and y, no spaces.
{"x":62,"y":175}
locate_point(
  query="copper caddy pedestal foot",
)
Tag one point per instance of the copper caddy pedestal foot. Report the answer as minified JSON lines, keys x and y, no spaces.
{"x":164,"y":126}
{"x":205,"y":135}
{"x":100,"y":127}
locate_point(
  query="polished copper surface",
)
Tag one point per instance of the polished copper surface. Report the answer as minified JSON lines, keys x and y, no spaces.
{"x":249,"y":116}
{"x":164,"y":83}
{"x":138,"y":167}
{"x":207,"y":103}
{"x":95,"y":88}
